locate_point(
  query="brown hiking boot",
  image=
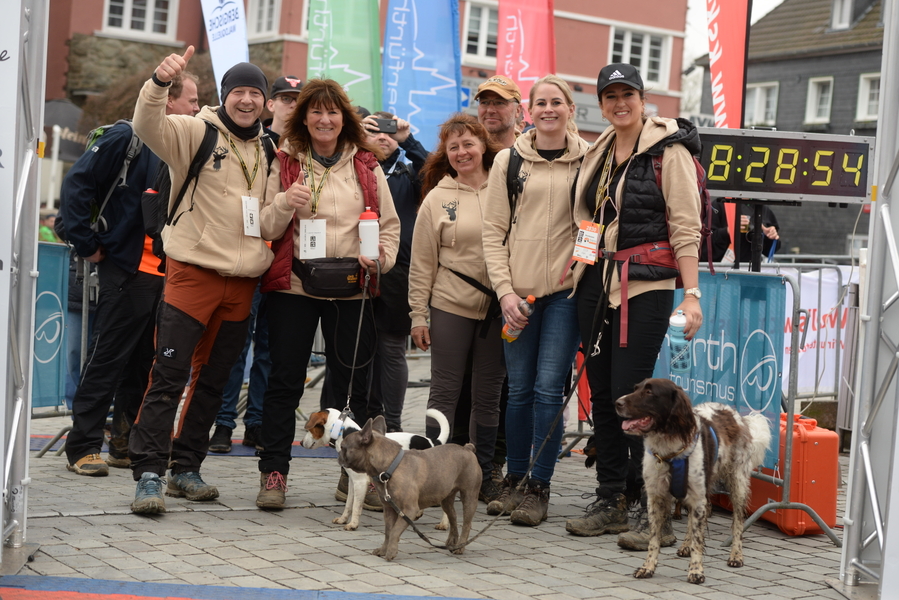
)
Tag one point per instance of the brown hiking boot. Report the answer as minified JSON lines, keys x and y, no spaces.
{"x":489,"y":491}
{"x":343,"y":486}
{"x":638,"y":537}
{"x":509,"y":497}
{"x":272,"y":489}
{"x":91,"y":465}
{"x":496,"y":474}
{"x":605,"y":515}
{"x":534,"y":507}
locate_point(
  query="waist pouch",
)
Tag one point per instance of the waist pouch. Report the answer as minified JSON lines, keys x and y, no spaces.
{"x":329,"y":277}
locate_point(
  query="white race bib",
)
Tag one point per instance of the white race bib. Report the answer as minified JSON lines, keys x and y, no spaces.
{"x":312,"y":238}
{"x":251,"y":216}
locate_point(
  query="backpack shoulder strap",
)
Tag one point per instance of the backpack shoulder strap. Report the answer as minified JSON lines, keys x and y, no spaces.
{"x":193,"y":172}
{"x":121,"y":181}
{"x":514,"y":186}
{"x":268,"y":145}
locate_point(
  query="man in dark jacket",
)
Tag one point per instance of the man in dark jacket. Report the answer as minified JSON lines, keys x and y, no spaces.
{"x":121,"y":351}
{"x":390,"y":374}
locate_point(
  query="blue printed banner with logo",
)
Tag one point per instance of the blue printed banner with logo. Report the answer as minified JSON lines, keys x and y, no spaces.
{"x":48,"y":382}
{"x":737,"y":355}
{"x":422,"y":66}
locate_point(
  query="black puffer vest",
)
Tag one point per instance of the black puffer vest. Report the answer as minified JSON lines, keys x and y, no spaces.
{"x":643,"y":218}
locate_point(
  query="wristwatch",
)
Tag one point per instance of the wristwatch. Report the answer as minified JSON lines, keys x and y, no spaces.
{"x":693,"y":292}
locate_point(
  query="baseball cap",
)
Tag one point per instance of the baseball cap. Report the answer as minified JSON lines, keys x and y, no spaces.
{"x":618,"y":73}
{"x":287,"y":84}
{"x":501,"y":85}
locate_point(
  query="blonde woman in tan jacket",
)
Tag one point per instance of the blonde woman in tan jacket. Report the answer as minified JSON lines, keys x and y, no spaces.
{"x":449,"y":291}
{"x":527,"y":252}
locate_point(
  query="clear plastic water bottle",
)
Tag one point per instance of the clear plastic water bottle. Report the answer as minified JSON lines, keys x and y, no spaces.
{"x":681,"y":358}
{"x":526,"y":306}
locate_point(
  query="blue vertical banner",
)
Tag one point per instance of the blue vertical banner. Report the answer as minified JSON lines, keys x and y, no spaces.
{"x":737,"y":357}
{"x":422,"y":65}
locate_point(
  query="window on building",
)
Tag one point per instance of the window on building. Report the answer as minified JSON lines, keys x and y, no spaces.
{"x":761,"y":104}
{"x":842,"y":9}
{"x":820,"y":95}
{"x":480,"y":32}
{"x":868,"y":97}
{"x":142,"y":18}
{"x":644,"y":51}
{"x":262,"y":18}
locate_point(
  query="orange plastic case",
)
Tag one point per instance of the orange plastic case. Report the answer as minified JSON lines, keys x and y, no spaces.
{"x":814,"y":480}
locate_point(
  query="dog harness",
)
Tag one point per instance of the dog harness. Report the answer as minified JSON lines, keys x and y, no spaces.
{"x":678,"y":462}
{"x":339,"y":426}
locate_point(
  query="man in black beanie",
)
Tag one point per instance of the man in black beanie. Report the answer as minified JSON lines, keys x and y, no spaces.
{"x":215,"y":252}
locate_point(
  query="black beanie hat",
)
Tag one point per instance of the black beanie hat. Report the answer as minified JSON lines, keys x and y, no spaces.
{"x":243,"y":74}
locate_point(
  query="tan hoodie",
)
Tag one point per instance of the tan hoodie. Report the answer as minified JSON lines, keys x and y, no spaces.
{"x":541,"y":240}
{"x":340,"y":205}
{"x":210,"y":229}
{"x":448,"y":236}
{"x":678,"y":187}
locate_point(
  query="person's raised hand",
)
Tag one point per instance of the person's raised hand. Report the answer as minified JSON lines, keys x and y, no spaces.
{"x":173,"y":65}
{"x":298,"y":194}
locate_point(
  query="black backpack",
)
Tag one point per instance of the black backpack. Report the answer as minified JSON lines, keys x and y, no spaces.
{"x":514,"y":186}
{"x":154,"y":202}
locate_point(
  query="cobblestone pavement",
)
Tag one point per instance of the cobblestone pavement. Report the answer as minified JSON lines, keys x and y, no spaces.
{"x":84,"y":529}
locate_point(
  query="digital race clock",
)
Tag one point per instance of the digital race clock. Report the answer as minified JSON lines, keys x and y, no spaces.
{"x":785,"y":165}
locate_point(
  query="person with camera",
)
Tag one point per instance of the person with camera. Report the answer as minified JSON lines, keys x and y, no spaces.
{"x":390,"y":372}
{"x":326,"y":176}
{"x":120,"y":354}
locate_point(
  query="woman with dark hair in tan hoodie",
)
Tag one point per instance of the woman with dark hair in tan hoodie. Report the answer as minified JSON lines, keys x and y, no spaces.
{"x":449,"y":291}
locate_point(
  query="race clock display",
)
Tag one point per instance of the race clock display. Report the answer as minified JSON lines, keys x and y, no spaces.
{"x":787,"y":166}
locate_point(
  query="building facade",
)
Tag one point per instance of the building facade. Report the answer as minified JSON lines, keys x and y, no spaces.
{"x":814,"y":66}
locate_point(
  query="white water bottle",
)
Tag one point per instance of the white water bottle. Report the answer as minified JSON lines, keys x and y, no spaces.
{"x":369,"y":234}
{"x":681,"y":358}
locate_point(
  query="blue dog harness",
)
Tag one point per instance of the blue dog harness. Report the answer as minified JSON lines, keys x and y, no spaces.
{"x":678,"y":462}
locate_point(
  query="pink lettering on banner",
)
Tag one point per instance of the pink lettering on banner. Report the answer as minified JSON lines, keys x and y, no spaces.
{"x":816,"y":320}
{"x":728,"y":22}
{"x":526,"y":44}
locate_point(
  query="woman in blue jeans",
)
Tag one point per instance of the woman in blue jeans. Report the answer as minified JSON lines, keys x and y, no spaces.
{"x":527,"y":248}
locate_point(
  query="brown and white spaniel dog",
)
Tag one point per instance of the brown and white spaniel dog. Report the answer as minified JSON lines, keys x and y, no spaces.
{"x":688,"y":450}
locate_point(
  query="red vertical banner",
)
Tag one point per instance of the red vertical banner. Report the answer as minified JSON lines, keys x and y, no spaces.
{"x":526,"y":41}
{"x":728,"y":31}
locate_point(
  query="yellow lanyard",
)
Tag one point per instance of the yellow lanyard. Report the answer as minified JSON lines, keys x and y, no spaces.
{"x":316,"y":193}
{"x":251,"y":178}
{"x":606,"y":178}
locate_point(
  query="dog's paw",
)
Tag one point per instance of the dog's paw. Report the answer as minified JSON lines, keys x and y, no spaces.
{"x":351,"y":526}
{"x":388,"y":556}
{"x":695,"y":578}
{"x":379,"y":551}
{"x":443,"y":525}
{"x":683,"y":551}
{"x":339,"y":520}
{"x":643,"y":573}
{"x":734,"y":562}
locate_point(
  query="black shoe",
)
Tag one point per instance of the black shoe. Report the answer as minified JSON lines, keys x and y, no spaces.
{"x":251,"y":436}
{"x":220,"y":442}
{"x":489,"y":491}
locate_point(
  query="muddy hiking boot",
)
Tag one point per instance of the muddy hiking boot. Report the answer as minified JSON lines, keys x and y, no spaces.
{"x":534,"y":506}
{"x":509,"y":497}
{"x":604,"y":515}
{"x":191,"y":486}
{"x":148,"y":497}
{"x":638,"y":536}
{"x":272,"y":491}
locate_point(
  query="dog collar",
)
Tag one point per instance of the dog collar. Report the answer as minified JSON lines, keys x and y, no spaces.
{"x":386,"y":475}
{"x":683,"y":453}
{"x":337,"y":429}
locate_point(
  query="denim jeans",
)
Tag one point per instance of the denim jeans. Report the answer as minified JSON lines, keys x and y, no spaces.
{"x":259,"y":371}
{"x":538,"y":364}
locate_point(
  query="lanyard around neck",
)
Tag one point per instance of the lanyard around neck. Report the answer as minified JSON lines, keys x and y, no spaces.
{"x":316,"y":193}
{"x":250,"y":177}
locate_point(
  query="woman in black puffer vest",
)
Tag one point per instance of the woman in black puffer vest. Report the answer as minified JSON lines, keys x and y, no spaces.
{"x":617,"y":190}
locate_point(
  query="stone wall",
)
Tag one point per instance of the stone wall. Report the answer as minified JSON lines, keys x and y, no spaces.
{"x":95,"y":63}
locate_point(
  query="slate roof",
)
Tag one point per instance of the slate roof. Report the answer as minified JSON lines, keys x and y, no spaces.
{"x":798,"y":28}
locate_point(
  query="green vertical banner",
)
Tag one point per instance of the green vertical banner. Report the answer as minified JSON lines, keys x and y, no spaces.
{"x":344,"y":46}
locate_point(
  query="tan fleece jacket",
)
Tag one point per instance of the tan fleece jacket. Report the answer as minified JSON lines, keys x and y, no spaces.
{"x":448,"y":236}
{"x":678,"y":187}
{"x":209,"y":231}
{"x":340,"y":205}
{"x":541,"y":240}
